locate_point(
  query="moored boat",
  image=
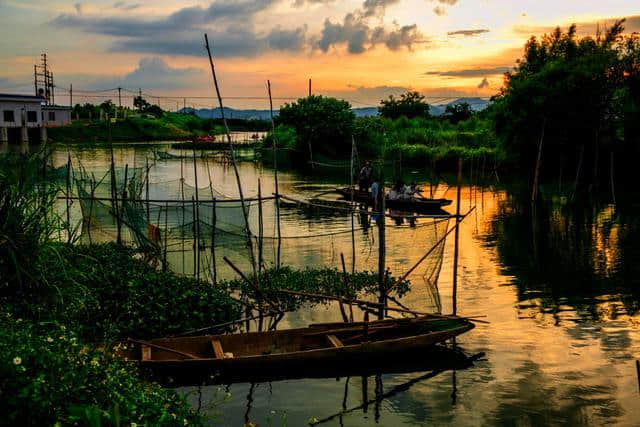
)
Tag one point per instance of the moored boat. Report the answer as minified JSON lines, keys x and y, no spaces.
{"x":296,"y":351}
{"x":419,"y":205}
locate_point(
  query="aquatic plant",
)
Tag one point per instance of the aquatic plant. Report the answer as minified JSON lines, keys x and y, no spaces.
{"x":326,"y":281}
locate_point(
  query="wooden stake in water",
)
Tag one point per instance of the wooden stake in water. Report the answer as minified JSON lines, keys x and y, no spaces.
{"x":457,"y":241}
{"x":233,"y":158}
{"x":197,"y":213}
{"x":260,"y":228}
{"x":193,"y":228}
{"x":353,"y":233}
{"x":68,"y":200}
{"x":147,"y":190}
{"x":166,"y":242}
{"x":382,"y":299}
{"x":213,"y":243}
{"x":275,"y":172}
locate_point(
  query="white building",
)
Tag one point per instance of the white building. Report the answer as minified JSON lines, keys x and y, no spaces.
{"x":20,"y":113}
{"x":56,"y":115}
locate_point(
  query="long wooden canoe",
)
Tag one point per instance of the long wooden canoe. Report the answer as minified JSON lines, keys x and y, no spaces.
{"x":418,"y":205}
{"x":296,"y":352}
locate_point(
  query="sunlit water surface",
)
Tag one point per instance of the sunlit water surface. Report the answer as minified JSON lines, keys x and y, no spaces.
{"x":560,"y":292}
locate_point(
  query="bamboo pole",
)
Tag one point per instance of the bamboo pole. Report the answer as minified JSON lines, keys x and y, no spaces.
{"x":613,"y":189}
{"x":166,"y":232}
{"x":275,"y":171}
{"x":195,"y":247}
{"x":68,"y":201}
{"x":233,"y":156}
{"x":197,"y":213}
{"x":214,"y":218}
{"x":147,"y":190}
{"x":456,"y":248}
{"x":353,"y":233}
{"x":260,"y":228}
{"x":170,"y":201}
{"x":381,"y":249}
{"x":534,"y":191}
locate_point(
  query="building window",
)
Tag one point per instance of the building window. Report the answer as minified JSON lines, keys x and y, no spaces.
{"x":32,"y":116}
{"x":52,"y":116}
{"x":8,"y":116}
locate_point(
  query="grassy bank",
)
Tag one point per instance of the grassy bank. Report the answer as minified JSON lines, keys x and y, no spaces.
{"x":167,"y":127}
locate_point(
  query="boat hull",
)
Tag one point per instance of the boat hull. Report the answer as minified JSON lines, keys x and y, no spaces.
{"x":415,"y":352}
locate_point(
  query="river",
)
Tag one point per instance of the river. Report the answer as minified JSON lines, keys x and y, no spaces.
{"x":559,"y":288}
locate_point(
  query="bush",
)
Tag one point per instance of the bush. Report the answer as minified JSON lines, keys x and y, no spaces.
{"x":109,"y":292}
{"x":47,"y":376}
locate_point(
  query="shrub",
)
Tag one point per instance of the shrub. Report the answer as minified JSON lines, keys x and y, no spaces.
{"x":47,"y":376}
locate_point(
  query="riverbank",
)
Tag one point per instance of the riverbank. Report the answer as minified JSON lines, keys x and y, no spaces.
{"x":167,"y":127}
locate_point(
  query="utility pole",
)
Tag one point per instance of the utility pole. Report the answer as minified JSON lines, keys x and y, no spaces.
{"x":184,"y":105}
{"x":309,"y":87}
{"x":120,"y":97}
{"x":35,"y":79}
{"x":71,"y":95}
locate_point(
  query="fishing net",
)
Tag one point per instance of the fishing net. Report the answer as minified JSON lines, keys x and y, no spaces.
{"x":193,"y":227}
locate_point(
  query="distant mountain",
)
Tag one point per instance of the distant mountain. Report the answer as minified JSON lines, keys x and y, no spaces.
{"x":477,"y":104}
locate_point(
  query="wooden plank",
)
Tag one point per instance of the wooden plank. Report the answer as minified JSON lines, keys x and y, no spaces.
{"x":335,"y":341}
{"x":160,"y":347}
{"x":146,"y":352}
{"x":217,"y":349}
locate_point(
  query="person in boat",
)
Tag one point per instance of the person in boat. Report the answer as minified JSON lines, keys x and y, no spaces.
{"x":364,"y":178}
{"x":375,"y":193}
{"x":411,"y":191}
{"x":397,"y":191}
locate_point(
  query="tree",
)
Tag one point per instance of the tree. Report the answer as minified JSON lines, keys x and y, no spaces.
{"x":322,"y":124}
{"x":108,"y":108}
{"x":458,"y":112}
{"x":140,"y":103}
{"x":565,"y":91}
{"x":410,"y":105}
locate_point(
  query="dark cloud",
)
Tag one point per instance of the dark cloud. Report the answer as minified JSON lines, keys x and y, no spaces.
{"x":358,"y":36}
{"x":484,"y":84}
{"x":440,"y":10}
{"x":468,"y":33}
{"x":376,"y":7}
{"x":189,"y":18}
{"x":471,"y":72}
{"x":78,"y":7}
{"x":181,"y":32}
{"x":353,"y":31}
{"x":291,"y":40}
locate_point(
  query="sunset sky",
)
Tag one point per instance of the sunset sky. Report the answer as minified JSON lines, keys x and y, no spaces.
{"x":358,"y":50}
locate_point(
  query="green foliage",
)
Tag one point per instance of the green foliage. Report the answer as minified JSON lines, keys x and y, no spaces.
{"x":458,"y":112}
{"x":109,"y":291}
{"x":410,"y":105}
{"x":48,"y":376}
{"x":140,"y":103}
{"x":26,"y":219}
{"x":284,"y":136}
{"x":422,"y":141}
{"x":324,"y":123}
{"x":327,"y":281}
{"x":571,"y":90}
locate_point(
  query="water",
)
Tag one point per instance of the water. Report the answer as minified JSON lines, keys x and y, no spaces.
{"x":560,"y":289}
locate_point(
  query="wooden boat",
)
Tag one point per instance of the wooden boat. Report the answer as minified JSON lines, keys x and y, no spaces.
{"x":297,"y":352}
{"x":418,"y":205}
